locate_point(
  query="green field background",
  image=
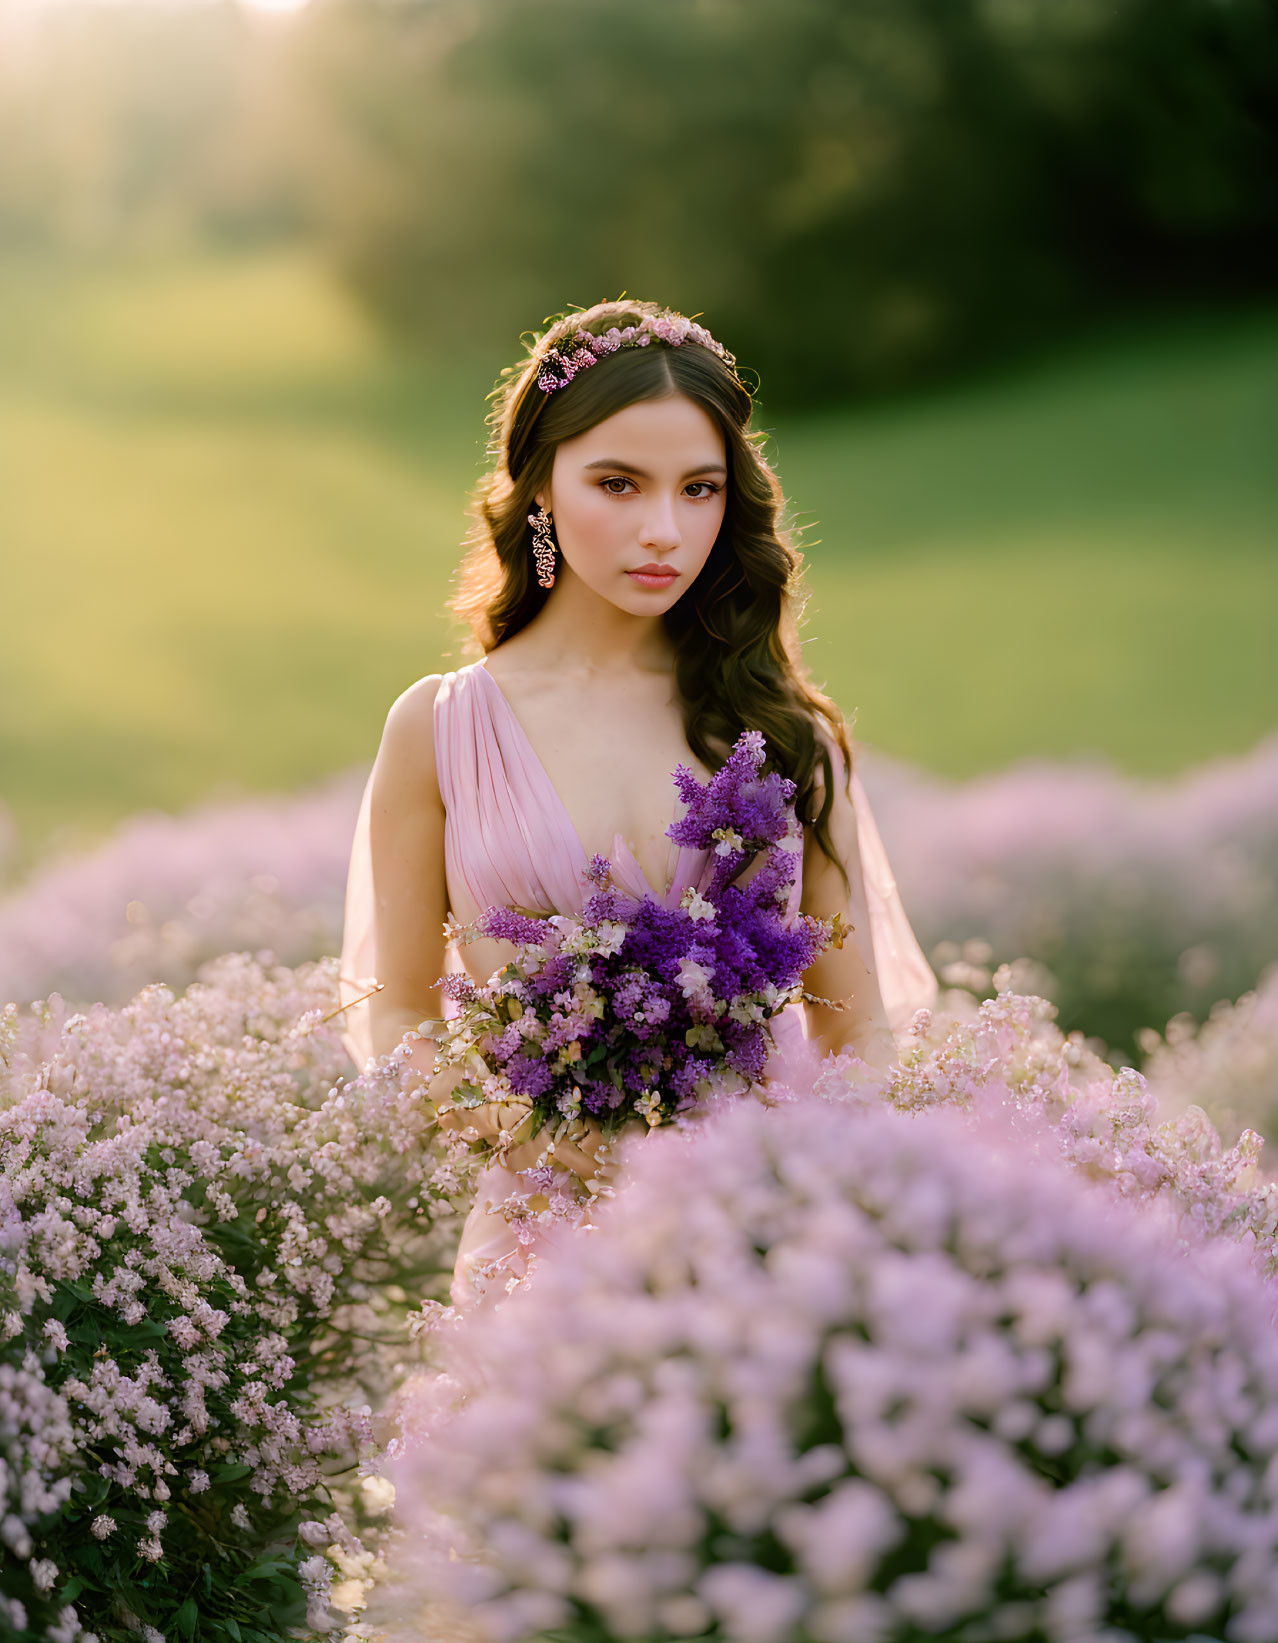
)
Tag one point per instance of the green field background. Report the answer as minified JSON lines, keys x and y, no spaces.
{"x":229,"y":517}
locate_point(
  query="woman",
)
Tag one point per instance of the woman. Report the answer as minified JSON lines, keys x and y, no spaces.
{"x":632,"y":587}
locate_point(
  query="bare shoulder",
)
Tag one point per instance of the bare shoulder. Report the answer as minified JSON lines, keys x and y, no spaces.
{"x":406,"y":757}
{"x":415,"y":707}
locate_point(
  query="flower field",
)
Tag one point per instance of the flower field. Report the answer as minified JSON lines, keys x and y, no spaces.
{"x":968,"y":1334}
{"x":980,"y":1347}
{"x":837,"y":1373}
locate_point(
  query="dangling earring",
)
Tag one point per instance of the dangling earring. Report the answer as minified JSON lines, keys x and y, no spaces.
{"x":543,"y":547}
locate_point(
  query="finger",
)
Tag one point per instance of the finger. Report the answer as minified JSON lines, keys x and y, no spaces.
{"x":471,"y":1123}
{"x":522,"y":1157}
{"x":487,"y":1120}
{"x":572,"y":1157}
{"x":444,"y":1084}
{"x":587,"y":1133}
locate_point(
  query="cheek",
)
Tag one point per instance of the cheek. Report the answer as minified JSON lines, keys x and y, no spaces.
{"x":591,"y":517}
{"x":710,"y":523}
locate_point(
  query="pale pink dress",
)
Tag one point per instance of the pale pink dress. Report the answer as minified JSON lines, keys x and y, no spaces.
{"x":508,"y":840}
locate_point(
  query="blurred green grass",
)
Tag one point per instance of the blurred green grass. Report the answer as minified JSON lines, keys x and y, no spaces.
{"x":229,"y":515}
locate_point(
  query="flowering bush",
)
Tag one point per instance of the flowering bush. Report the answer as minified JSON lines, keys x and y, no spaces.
{"x":1004,"y":1060}
{"x":168,"y":893}
{"x":195,"y":1217}
{"x":851,"y":1375}
{"x":1137,"y":900}
{"x":1228,"y":1067}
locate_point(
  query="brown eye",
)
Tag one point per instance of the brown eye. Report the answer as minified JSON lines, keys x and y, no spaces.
{"x":616,"y":479}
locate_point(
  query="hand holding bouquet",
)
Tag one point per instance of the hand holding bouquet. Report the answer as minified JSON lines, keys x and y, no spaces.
{"x":637,"y":1009}
{"x":580,"y":1146}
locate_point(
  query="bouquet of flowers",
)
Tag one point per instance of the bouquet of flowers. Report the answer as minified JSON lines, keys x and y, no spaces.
{"x":639,"y":1008}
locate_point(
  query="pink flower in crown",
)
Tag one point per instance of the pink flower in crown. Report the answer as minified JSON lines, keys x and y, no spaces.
{"x":585,"y":348}
{"x":671,"y":328}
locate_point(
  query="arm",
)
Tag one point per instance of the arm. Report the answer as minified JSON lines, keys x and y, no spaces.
{"x":847,"y":972}
{"x":406,"y":840}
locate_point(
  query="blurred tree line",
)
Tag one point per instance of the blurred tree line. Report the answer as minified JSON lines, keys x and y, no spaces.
{"x":858,"y":193}
{"x":145,"y":127}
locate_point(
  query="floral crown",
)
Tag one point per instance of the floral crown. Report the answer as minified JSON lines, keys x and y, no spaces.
{"x":583,"y":349}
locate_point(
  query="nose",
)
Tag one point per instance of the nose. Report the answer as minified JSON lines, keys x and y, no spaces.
{"x":660,"y":529}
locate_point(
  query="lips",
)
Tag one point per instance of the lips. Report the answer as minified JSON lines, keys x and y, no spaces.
{"x":653,"y":575}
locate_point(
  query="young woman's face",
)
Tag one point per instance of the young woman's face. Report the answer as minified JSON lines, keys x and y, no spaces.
{"x":637,"y":502}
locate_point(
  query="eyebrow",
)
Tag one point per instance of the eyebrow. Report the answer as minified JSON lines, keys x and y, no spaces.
{"x":628,"y":467}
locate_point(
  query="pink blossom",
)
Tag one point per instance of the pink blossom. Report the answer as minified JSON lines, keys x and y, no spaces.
{"x":107,"y":1119}
{"x":820,"y":1325}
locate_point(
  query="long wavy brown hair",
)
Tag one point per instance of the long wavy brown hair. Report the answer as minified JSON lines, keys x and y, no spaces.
{"x":735,"y":631}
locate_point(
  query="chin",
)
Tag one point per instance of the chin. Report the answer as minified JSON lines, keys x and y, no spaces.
{"x":650,"y":601}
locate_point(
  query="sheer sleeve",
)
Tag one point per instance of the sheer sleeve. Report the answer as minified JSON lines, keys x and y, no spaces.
{"x":358,"y":968}
{"x":906,"y":979}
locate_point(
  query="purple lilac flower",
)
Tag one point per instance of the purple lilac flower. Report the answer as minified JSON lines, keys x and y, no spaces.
{"x":459,"y":987}
{"x":671,"y":1003}
{"x":504,"y":924}
{"x":528,"y":1077}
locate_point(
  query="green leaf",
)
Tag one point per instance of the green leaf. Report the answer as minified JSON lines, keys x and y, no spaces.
{"x":232,"y":1628}
{"x":267,"y":1567}
{"x":185,"y":1618}
{"x":150,"y":1330}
